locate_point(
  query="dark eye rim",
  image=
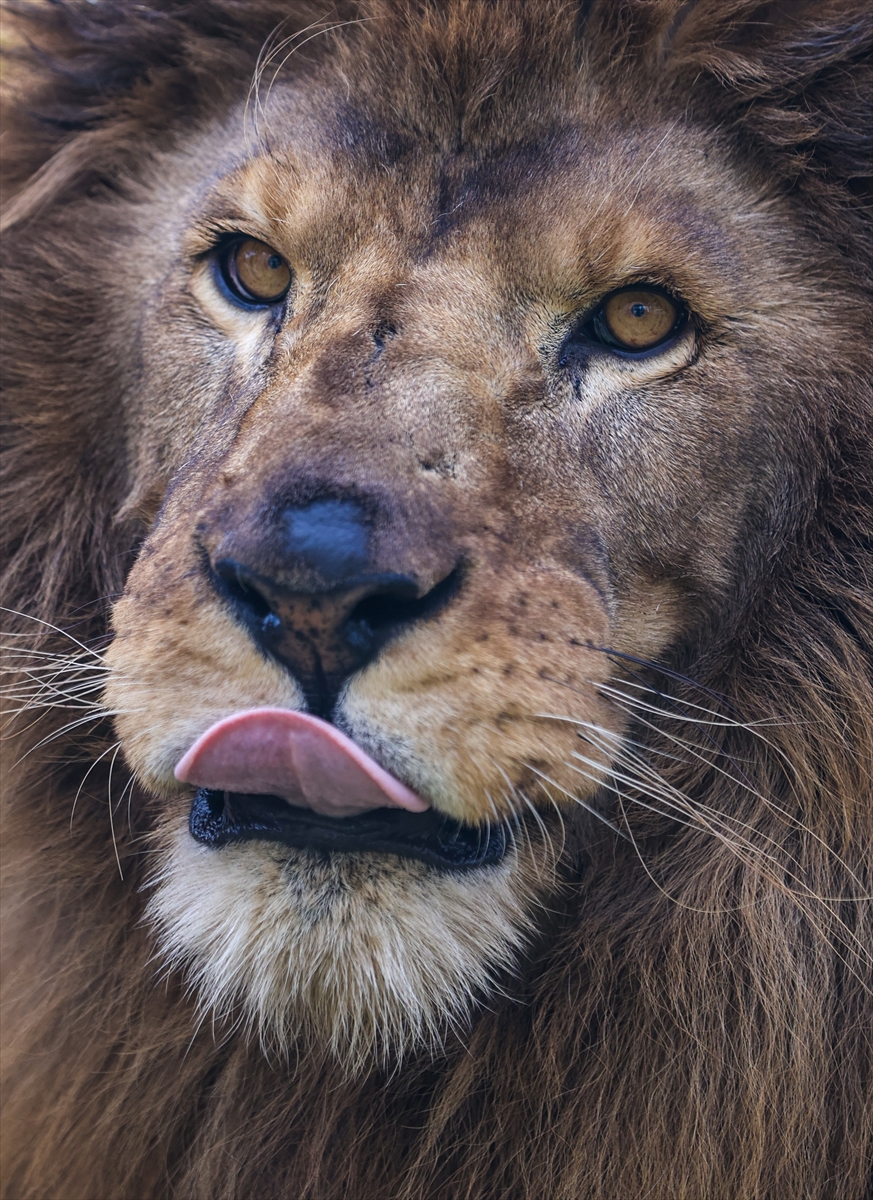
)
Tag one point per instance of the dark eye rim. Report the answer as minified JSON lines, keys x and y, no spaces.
{"x":593,"y":330}
{"x":226,"y":274}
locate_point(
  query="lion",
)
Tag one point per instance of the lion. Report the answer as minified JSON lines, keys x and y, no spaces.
{"x":437,"y":583}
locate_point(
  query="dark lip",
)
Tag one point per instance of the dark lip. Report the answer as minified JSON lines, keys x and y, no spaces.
{"x":225,"y":818}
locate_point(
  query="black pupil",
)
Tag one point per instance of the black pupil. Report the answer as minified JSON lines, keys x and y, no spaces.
{"x":274,"y":262}
{"x":639,"y":310}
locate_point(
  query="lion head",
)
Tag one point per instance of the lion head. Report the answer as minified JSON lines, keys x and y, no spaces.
{"x":443,"y":431}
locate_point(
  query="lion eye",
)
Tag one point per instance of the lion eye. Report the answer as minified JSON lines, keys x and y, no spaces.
{"x":255,"y":272}
{"x":638,"y":318}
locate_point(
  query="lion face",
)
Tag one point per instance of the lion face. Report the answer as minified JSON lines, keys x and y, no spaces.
{"x":425,"y":428}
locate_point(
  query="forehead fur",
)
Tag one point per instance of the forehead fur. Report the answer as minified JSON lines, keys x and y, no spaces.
{"x":461,"y":74}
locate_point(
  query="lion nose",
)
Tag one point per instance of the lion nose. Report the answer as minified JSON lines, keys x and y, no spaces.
{"x":329,"y":613}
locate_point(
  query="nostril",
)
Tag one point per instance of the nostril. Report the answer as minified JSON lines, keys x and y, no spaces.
{"x":236,"y":582}
{"x":384,"y":611}
{"x":371,"y":622}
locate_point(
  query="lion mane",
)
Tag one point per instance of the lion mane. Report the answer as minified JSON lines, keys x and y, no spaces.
{"x":691,"y":1015}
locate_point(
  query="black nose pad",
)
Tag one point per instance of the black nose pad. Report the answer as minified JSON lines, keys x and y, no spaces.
{"x":328,"y":538}
{"x":330,"y":616}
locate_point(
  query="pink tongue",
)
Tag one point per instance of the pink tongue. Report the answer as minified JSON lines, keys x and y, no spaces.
{"x":276,"y":752}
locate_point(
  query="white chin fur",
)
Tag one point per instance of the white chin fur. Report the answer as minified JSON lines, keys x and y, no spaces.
{"x":369,"y":956}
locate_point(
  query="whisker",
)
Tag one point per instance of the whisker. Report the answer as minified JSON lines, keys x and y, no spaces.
{"x":264,"y":54}
{"x":115,"y":746}
{"x":751,"y":855}
{"x":68,"y":728}
{"x":674,"y":699}
{"x":56,"y":628}
{"x":579,"y":801}
{"x":559,"y":814}
{"x":667,"y":672}
{"x":617,"y":791}
{"x":514,"y":791}
{"x":128,"y":791}
{"x":721,"y":722}
{"x":659,"y":789}
{"x":325,"y":29}
{"x":111,"y":817}
{"x":697,"y":752}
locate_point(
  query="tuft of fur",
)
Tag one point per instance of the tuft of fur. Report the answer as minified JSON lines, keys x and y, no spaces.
{"x":292,"y":971}
{"x":693,"y":1017}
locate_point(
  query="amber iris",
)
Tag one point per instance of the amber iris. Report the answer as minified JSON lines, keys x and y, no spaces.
{"x":256,"y":272}
{"x":639,"y":319}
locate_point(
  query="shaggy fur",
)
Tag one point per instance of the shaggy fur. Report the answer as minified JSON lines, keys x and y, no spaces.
{"x":666,"y":993}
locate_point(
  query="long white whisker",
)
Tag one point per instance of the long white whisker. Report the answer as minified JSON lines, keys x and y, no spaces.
{"x":80,"y":721}
{"x":706,"y":759}
{"x":111,"y":817}
{"x":48,"y":624}
{"x":115,"y":746}
{"x":618,"y":739}
{"x":711,"y":820}
{"x":617,"y":791}
{"x":325,"y":29}
{"x":520,"y":795}
{"x":582,"y":804}
{"x":558,"y":813}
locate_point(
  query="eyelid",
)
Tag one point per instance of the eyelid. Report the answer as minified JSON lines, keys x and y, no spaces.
{"x":211,"y":233}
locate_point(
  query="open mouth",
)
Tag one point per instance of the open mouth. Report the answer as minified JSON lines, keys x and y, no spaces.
{"x":276,"y":775}
{"x":221,"y":818}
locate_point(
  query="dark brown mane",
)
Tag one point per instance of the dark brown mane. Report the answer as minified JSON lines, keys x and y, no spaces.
{"x":698,"y":1025}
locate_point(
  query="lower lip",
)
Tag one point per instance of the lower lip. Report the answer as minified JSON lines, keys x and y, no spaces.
{"x":225,"y":818}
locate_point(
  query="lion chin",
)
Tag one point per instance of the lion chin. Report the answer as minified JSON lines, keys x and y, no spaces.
{"x":437,"y":559}
{"x":364,"y":955}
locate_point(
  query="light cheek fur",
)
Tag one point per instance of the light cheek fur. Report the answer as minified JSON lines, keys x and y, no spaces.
{"x":175,"y":672}
{"x":467,"y":707}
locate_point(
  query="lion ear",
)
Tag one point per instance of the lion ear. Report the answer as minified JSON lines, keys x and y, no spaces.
{"x":796,"y":74}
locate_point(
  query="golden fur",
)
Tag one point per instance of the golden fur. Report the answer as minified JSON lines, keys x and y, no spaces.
{"x":657,"y":669}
